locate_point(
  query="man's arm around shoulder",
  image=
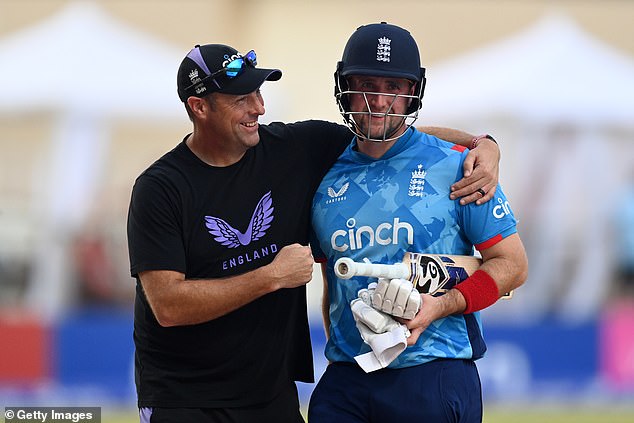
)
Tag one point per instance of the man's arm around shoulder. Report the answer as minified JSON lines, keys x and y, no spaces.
{"x":481,"y":167}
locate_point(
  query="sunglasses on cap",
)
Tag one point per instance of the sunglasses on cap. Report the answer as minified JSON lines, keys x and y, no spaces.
{"x":232,"y":70}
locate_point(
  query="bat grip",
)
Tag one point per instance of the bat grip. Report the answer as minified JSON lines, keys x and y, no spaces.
{"x":346,"y":268}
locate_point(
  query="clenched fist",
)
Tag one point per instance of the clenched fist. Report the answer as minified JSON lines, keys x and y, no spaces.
{"x":292,"y":266}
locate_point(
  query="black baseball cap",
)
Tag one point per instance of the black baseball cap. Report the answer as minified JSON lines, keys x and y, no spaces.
{"x":204,"y":71}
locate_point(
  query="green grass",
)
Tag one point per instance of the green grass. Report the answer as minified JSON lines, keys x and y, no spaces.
{"x":491,"y":415}
{"x":579,"y":415}
{"x":119,"y":417}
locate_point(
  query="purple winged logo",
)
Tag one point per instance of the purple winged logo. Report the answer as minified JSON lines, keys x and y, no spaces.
{"x":228,"y":236}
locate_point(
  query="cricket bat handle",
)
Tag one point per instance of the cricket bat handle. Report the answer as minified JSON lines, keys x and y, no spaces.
{"x":346,"y":268}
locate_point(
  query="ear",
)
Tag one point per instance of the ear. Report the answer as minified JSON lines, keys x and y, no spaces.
{"x":412,"y":87}
{"x":197,"y":105}
{"x":410,"y":91}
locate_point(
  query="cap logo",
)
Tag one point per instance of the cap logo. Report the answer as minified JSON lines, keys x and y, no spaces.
{"x":383,"y":49}
{"x":193,"y":76}
{"x":229,"y":59}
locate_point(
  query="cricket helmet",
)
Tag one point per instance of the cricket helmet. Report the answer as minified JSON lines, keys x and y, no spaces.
{"x":382,"y":50}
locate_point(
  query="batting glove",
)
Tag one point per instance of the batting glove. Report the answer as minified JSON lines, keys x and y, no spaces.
{"x":396,"y":297}
{"x":385,"y":336}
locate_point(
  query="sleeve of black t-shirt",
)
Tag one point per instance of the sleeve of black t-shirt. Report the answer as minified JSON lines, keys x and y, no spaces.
{"x":154,"y":235}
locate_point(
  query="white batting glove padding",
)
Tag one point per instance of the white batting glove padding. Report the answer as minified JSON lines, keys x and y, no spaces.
{"x":365,"y":294}
{"x":386,"y":337}
{"x":371,"y":318}
{"x":396,"y":297}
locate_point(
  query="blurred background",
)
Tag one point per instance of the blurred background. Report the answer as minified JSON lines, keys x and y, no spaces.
{"x":88,"y":100}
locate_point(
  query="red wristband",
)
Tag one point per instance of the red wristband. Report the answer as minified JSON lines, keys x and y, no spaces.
{"x":479,"y":291}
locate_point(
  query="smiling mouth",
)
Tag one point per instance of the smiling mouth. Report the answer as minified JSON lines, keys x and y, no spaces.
{"x":250,"y":124}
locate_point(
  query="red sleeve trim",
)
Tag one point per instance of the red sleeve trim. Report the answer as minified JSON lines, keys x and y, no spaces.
{"x":489,"y":242}
{"x":459,"y":147}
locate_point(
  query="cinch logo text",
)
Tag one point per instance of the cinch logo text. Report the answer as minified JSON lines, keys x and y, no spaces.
{"x":385,"y":233}
{"x":501,"y":209}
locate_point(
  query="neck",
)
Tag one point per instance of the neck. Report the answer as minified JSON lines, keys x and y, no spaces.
{"x":211,"y":152}
{"x":376,"y":149}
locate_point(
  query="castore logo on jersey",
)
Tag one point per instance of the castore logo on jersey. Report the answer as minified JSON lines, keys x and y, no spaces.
{"x":336,"y":196}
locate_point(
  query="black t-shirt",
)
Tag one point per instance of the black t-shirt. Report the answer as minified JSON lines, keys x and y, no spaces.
{"x":212,"y":222}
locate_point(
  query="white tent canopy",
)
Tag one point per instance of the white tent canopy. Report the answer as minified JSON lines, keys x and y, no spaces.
{"x":552,"y":89}
{"x":87,"y":69}
{"x":83,"y":59}
{"x":553,"y":71}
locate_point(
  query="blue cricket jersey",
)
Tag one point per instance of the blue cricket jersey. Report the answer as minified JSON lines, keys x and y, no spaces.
{"x":381,"y":208}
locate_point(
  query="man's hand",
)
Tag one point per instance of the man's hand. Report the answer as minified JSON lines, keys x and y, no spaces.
{"x":292,"y":266}
{"x":433,"y":308}
{"x":426,"y":315}
{"x":481,"y":170}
